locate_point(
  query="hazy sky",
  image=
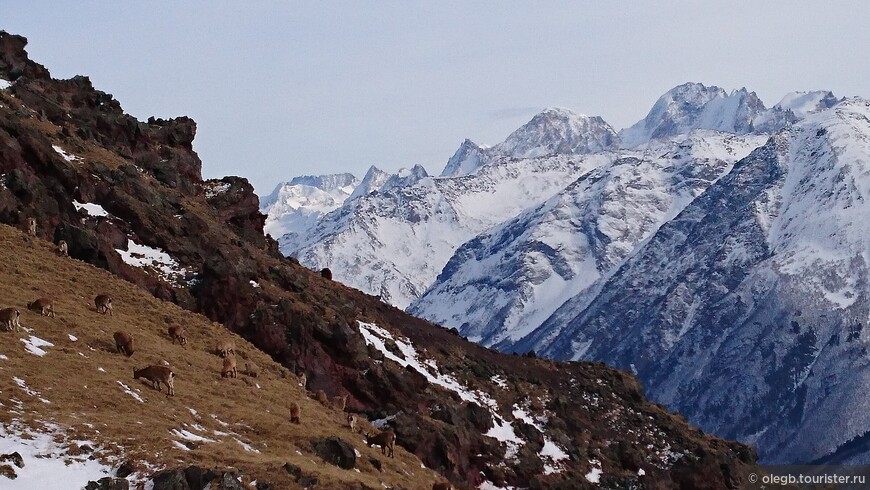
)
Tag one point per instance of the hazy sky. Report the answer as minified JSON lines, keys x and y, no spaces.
{"x":280,"y":89}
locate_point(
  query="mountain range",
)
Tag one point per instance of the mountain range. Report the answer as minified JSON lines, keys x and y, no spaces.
{"x":714,"y":248}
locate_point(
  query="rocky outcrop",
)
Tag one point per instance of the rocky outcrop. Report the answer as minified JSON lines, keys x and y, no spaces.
{"x":335,"y":451}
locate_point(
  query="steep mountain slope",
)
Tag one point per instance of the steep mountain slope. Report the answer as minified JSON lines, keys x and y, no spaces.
{"x":65,"y":379}
{"x":395,"y":242}
{"x":747,"y":311}
{"x":505,"y":282}
{"x":128,"y":197}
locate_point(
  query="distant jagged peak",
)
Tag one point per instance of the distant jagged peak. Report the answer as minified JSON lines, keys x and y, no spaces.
{"x":326,"y":182}
{"x":692,"y":106}
{"x":696,"y":106}
{"x":808,"y":102}
{"x":374,"y":179}
{"x":405,"y":177}
{"x":466,"y":160}
{"x":558,"y":130}
{"x":302,"y":189}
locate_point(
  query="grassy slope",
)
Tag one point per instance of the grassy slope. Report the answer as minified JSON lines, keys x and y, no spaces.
{"x":93,"y":406}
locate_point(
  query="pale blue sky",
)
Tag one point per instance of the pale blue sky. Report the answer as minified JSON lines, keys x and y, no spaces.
{"x":280,"y":89}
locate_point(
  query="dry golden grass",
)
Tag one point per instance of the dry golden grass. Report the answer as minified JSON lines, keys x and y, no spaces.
{"x":80,"y":378}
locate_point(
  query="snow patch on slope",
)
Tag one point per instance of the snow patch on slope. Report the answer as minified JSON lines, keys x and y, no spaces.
{"x":46,"y":462}
{"x":502,"y":429}
{"x":158,"y":260}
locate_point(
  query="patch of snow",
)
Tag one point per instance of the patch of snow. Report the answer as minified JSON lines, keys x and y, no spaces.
{"x":190,"y":436}
{"x":500,"y":381}
{"x":255,"y":284}
{"x":130,"y":392}
{"x":5,"y":84}
{"x":93,"y":209}
{"x":594,"y":476}
{"x":212,"y":190}
{"x":550,"y":454}
{"x":101,"y":370}
{"x":72,"y":337}
{"x":247,"y":447}
{"x":180,"y":445}
{"x":21,"y":384}
{"x":34,"y":344}
{"x":45,"y":464}
{"x":3,"y":357}
{"x":66,"y":156}
{"x":138,"y":255}
{"x":502,"y":430}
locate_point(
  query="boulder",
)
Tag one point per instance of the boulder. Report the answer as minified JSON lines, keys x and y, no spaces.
{"x":170,"y":480}
{"x":108,"y":483}
{"x":335,"y":451}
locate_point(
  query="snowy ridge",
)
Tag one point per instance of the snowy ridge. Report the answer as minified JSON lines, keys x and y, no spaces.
{"x":502,"y":284}
{"x":394,"y":243}
{"x":802,"y":104}
{"x":696,"y":106}
{"x":552,"y":131}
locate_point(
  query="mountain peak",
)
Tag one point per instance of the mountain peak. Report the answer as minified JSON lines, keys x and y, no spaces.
{"x":466,"y":160}
{"x":693,"y":106}
{"x":373,"y":180}
{"x":808,"y":102}
{"x":558,"y":130}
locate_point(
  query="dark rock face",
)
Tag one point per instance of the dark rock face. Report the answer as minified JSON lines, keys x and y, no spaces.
{"x":8,"y":471}
{"x":147,"y":178}
{"x":124,"y":470}
{"x":108,"y":483}
{"x":228,"y":481}
{"x":15,"y":458}
{"x":170,"y":480}
{"x":335,"y":451}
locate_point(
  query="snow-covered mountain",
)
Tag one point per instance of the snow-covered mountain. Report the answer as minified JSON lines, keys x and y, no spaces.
{"x":747,"y":312}
{"x":696,"y":106}
{"x":394,"y":233}
{"x":554,"y":131}
{"x":373,"y":180}
{"x":468,"y":158}
{"x":502,"y":284}
{"x":557,"y":131}
{"x":393,"y":243}
{"x":297,"y":205}
{"x":802,"y":104}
